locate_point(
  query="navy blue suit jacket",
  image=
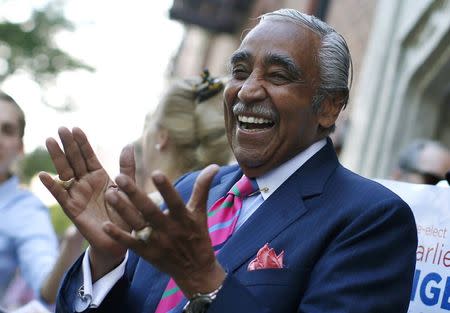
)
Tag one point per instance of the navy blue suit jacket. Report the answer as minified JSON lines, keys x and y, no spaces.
{"x":349,"y":246}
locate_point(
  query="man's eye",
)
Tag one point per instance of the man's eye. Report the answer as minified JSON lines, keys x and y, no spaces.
{"x":239,"y":73}
{"x":9,"y":130}
{"x":278,"y":77}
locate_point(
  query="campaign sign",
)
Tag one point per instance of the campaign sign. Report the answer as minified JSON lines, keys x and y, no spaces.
{"x":431,"y":208}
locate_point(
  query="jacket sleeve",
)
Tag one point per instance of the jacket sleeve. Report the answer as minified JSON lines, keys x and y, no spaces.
{"x":115,"y":301}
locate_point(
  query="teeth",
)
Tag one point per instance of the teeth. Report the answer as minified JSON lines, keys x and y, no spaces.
{"x":252,"y":119}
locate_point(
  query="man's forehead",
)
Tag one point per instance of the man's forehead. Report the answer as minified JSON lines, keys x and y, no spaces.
{"x":288,"y":26}
{"x":14,"y":123}
{"x":8,"y":114}
{"x":278,"y":37}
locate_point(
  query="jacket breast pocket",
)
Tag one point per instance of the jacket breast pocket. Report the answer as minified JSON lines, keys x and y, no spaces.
{"x":280,"y":289}
{"x":270,"y":276}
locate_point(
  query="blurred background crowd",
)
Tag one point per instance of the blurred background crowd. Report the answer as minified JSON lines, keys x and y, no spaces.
{"x":106,"y":66}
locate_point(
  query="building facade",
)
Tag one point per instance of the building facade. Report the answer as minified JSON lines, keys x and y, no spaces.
{"x":401,"y":66}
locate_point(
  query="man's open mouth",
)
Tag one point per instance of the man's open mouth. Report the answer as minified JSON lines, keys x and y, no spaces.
{"x":252,"y":123}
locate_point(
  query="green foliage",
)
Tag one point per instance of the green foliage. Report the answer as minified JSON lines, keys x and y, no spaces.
{"x":59,"y":219}
{"x":33,"y":163}
{"x":30,"y":46}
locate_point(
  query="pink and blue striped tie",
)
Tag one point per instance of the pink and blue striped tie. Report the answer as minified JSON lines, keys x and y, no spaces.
{"x":222,"y":218}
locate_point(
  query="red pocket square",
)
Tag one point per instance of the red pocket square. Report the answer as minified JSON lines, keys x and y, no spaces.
{"x":266,"y":258}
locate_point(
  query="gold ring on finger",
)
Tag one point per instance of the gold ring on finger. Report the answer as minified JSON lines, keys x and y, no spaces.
{"x":66,"y":184}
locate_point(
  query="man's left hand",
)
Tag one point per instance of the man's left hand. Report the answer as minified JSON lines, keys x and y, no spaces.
{"x":179,"y":242}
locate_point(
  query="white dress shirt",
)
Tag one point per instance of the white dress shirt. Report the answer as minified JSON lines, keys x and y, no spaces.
{"x":268,"y":183}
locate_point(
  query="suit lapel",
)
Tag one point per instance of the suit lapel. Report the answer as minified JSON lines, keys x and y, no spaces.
{"x":223,"y":187}
{"x":282,"y":208}
{"x":153,"y":282}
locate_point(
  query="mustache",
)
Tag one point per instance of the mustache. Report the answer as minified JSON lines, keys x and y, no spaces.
{"x":261,"y":110}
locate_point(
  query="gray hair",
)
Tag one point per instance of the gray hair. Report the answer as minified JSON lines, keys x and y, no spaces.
{"x":336,"y":69}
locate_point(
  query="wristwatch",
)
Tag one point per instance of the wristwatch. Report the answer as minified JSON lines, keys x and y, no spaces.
{"x":200,"y":302}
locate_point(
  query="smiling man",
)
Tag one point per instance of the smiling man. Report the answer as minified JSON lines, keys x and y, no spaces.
{"x":288,"y":229}
{"x":269,"y":113}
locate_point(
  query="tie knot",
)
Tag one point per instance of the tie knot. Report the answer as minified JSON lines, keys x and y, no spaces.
{"x":244,"y":187}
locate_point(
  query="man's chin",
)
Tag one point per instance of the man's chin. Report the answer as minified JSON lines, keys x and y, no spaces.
{"x":252,"y":167}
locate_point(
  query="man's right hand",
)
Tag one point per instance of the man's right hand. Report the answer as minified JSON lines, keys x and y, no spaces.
{"x":84,"y":202}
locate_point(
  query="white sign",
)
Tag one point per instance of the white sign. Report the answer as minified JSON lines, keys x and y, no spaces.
{"x":431,"y":208}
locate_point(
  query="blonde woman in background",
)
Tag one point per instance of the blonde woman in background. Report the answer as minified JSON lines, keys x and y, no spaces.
{"x":186,"y":132}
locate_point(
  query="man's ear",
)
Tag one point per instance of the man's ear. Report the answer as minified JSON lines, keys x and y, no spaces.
{"x":330,"y":108}
{"x":21,"y":150}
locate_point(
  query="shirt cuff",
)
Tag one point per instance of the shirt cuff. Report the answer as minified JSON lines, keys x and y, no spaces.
{"x":94,"y":294}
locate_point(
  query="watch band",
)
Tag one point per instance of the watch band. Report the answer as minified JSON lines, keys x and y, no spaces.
{"x":200,"y":302}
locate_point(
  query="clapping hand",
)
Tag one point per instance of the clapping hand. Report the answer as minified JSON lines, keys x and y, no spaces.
{"x":179,"y":242}
{"x":83,"y":201}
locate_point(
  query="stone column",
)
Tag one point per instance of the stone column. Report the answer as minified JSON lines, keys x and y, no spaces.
{"x":401,"y":90}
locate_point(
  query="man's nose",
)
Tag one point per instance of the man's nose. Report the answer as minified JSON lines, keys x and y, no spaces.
{"x":252,"y":90}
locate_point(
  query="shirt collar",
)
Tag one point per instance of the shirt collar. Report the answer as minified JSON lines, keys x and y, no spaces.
{"x":270,"y":181}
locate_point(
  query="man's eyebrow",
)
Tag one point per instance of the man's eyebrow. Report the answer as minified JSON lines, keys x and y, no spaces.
{"x":9,"y":125}
{"x":286,"y":62}
{"x":239,"y":56}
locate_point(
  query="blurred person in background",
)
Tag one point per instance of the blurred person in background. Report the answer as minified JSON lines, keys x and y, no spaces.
{"x":423,"y":161}
{"x":185,"y":133}
{"x":139,"y":163}
{"x":28,"y":243}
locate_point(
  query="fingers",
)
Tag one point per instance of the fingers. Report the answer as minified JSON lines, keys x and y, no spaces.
{"x":72,"y":152}
{"x":60,"y":194}
{"x":90,"y":158}
{"x":62,"y":166}
{"x":121,"y":236}
{"x":127,"y":162}
{"x":201,"y":187}
{"x":78,"y":156}
{"x":125,"y":209}
{"x":170,"y":195}
{"x":150,"y":211}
